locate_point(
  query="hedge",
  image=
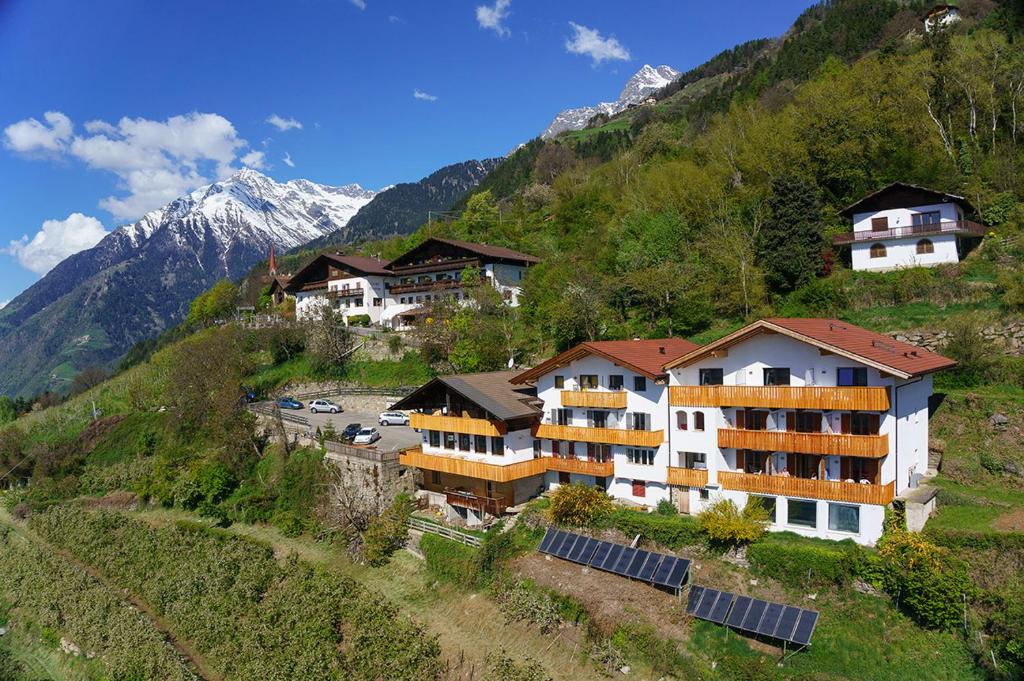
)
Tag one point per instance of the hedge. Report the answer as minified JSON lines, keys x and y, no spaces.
{"x":670,"y":531}
{"x":966,"y":539}
{"x":450,"y":561}
{"x":799,"y":562}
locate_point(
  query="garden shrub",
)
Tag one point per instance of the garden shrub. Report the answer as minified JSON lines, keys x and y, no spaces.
{"x":520,"y":601}
{"x":724,"y":523}
{"x":359,"y":320}
{"x":666,"y":507}
{"x":579,"y":505}
{"x":388,"y":532}
{"x":675,"y":531}
{"x":501,"y":667}
{"x":801,"y":562}
{"x":450,"y":561}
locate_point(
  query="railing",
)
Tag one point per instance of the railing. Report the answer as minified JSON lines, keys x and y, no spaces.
{"x":808,"y":489}
{"x":946,"y":227}
{"x":599,"y":469}
{"x":339,"y":451}
{"x":313,"y":286}
{"x":437,"y":266}
{"x":437,"y":285}
{"x":687,"y":477}
{"x":274,"y":412}
{"x":610,"y":399}
{"x":611,"y":436}
{"x":345,"y":292}
{"x":493,"y":505}
{"x":457,"y":424}
{"x":843,"y":398}
{"x":835,"y":444}
{"x":416,"y":458}
{"x":444,"y":531}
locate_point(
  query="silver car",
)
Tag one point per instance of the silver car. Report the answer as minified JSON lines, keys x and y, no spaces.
{"x":366,"y":436}
{"x":317,"y":406}
{"x":393,"y":418}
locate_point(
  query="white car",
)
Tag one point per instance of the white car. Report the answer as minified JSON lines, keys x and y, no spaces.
{"x":324,"y":405}
{"x":366,"y":436}
{"x":393,"y":418}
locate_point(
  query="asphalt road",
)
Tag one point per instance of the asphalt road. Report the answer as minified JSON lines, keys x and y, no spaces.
{"x":392,"y":437}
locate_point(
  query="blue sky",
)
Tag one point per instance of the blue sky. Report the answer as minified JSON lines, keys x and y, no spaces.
{"x":146,"y":99}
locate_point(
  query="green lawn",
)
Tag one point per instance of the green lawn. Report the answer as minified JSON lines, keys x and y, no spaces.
{"x":914,"y":315}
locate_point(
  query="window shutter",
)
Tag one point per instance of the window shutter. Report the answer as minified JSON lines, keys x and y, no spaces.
{"x":741,"y":460}
{"x":844,"y":424}
{"x":879,"y":224}
{"x":741,"y":418}
{"x":873,"y":424}
{"x":791,"y":420}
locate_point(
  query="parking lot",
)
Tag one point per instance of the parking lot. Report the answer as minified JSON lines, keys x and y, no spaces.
{"x":392,"y":437}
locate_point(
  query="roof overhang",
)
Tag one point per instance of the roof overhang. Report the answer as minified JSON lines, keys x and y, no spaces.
{"x":572,"y":354}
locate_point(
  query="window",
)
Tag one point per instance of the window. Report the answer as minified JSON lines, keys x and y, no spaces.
{"x":698,"y":420}
{"x":851,"y":376}
{"x":377,"y":302}
{"x":681,"y":420}
{"x":843,"y":518}
{"x":769,"y":505}
{"x":776,"y":376}
{"x":615,"y":382}
{"x":597,"y":418}
{"x":877,"y":250}
{"x":933,"y":217}
{"x":859,"y":423}
{"x":599,"y":453}
{"x":563,"y":478}
{"x":554,"y":448}
{"x":698,"y":460}
{"x":463,"y":442}
{"x":803,"y":513}
{"x":857,"y":469}
{"x":704,"y":494}
{"x":435,"y":477}
{"x":752,"y":419}
{"x":536,"y":449}
{"x":449,"y":440}
{"x":559,"y":382}
{"x":588,"y":381}
{"x":755,"y":463}
{"x":639,"y":488}
{"x":480,"y":444}
{"x":879,"y":224}
{"x":561,"y":417}
{"x":711,"y":376}
{"x":434,"y":438}
{"x":925,"y":246}
{"x":805,"y":421}
{"x":804,"y":466}
{"x":640,"y":457}
{"x":498,"y":446}
{"x":638,"y":421}
{"x":640,"y":384}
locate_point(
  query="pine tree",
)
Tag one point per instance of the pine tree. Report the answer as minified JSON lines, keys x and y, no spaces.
{"x":790,"y":242}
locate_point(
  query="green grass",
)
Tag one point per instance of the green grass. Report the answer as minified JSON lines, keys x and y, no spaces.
{"x":384,"y":373}
{"x":580,"y":135}
{"x":914,"y":315}
{"x":139,"y":434}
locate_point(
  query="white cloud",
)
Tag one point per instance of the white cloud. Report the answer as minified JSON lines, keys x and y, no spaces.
{"x":426,"y":97}
{"x":56,"y":240}
{"x":154,"y":161}
{"x":493,"y":16}
{"x":360,"y":4}
{"x":288,"y":160}
{"x":589,"y":42}
{"x":30,"y":135}
{"x":395,"y":19}
{"x":284,"y":124}
{"x":254,"y":159}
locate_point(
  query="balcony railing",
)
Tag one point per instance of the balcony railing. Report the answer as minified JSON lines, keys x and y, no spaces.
{"x":826,"y":398}
{"x":437,"y":266}
{"x":610,"y":399}
{"x":687,"y":477}
{"x":610,"y":436}
{"x":834,"y":444}
{"x":417,"y":287}
{"x":965,"y":227}
{"x":345,"y":292}
{"x":808,"y":489}
{"x":416,"y":458}
{"x":493,"y":505}
{"x":457,"y":424}
{"x":599,"y":469}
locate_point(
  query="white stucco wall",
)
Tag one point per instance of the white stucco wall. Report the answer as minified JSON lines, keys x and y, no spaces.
{"x":518,"y":447}
{"x":902,"y":251}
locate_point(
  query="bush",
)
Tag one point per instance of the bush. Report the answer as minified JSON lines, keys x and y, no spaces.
{"x":501,"y":667}
{"x":724,"y":523}
{"x":579,"y":505}
{"x":359,"y":320}
{"x":666,"y":507}
{"x":673,"y":531}
{"x":450,"y":561}
{"x":388,"y":532}
{"x":801,"y":562}
{"x":522,"y":602}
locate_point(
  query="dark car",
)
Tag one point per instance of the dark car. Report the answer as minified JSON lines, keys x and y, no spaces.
{"x":288,"y":403}
{"x":248,"y":394}
{"x":350,"y":432}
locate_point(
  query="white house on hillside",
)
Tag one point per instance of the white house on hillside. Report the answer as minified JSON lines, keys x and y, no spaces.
{"x":903,"y":225}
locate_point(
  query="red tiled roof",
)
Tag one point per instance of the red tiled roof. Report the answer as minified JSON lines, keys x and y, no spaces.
{"x":882,"y":352}
{"x":646,"y":357}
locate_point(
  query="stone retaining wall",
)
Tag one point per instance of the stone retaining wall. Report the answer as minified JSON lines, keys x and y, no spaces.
{"x":1009,"y":337}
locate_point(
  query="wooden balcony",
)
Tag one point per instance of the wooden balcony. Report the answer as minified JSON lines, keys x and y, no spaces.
{"x":345,"y":292}
{"x":808,"y":489}
{"x":826,"y":398}
{"x":600,"y":469}
{"x":687,"y":477}
{"x":440,"y":265}
{"x":439,"y":285}
{"x":416,"y":458}
{"x":457,"y":424}
{"x":868,"y":446}
{"x":492,"y":505}
{"x":599,"y":399}
{"x":609,"y":436}
{"x":958,"y":227}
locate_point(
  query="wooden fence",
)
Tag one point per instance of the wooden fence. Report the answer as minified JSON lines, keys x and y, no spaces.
{"x":445,"y":531}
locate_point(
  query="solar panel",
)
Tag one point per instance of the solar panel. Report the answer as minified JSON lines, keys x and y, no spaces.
{"x":721,"y":608}
{"x":787,"y":623}
{"x":678,"y":575}
{"x":805,"y":627}
{"x":545,"y":543}
{"x":639,"y":558}
{"x":754,"y":615}
{"x":693,"y":599}
{"x":770,"y":621}
{"x":600,"y":553}
{"x":650,"y":566}
{"x":556,"y":542}
{"x":570,"y":544}
{"x":622,"y":564}
{"x":613,"y":557}
{"x":739,"y":611}
{"x":583,"y":550}
{"x":663,"y":571}
{"x":706,"y":603}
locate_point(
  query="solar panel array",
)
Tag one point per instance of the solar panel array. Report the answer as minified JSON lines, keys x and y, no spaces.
{"x":782,"y":622}
{"x":656,"y":568}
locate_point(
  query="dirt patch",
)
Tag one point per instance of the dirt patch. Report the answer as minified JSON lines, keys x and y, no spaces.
{"x":96,"y":431}
{"x":1010,"y":522}
{"x":115,"y":501}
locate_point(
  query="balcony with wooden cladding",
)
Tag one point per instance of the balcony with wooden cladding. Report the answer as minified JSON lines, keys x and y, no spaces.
{"x":441,"y":265}
{"x":778,"y":485}
{"x":826,"y":398}
{"x":416,"y":458}
{"x":456,"y":424}
{"x":418,"y":287}
{"x":600,"y":469}
{"x":831,"y":444}
{"x":493,"y":505}
{"x":608,"y":436}
{"x":957,"y":227}
{"x":345,"y":292}
{"x":600,"y":399}
{"x":687,"y":477}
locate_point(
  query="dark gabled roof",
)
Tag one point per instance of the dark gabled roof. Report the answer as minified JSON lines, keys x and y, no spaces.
{"x":898,"y":195}
{"x":362,"y":264}
{"x":491,"y":391}
{"x":645,"y":357}
{"x":483,"y":250}
{"x":832,"y":335}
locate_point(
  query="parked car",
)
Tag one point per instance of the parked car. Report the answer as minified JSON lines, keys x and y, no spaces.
{"x":366,"y":436}
{"x":393,"y":418}
{"x":324,"y":405}
{"x":248,"y":394}
{"x":350,"y":432}
{"x":288,"y":403}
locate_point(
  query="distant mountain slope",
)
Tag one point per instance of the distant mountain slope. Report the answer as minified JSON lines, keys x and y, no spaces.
{"x":92,"y":307}
{"x":401,"y":209}
{"x":644,"y":82}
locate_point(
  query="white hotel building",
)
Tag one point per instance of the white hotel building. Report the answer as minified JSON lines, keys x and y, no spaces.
{"x":824,"y":421}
